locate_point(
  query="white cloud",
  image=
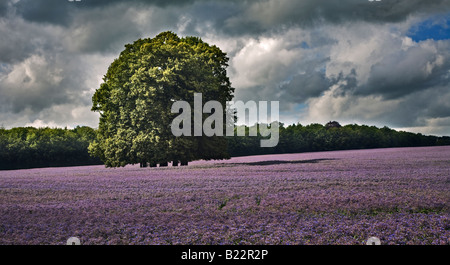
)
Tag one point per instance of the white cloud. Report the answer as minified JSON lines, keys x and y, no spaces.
{"x":41,"y":124}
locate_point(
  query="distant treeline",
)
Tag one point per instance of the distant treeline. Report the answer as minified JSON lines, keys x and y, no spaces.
{"x":34,"y":148}
{"x":332,"y":136}
{"x":46,"y":147}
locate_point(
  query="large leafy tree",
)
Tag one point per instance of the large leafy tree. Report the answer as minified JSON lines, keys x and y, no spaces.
{"x":139,"y":88}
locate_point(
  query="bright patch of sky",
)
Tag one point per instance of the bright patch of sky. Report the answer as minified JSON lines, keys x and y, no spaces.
{"x":435,"y":28}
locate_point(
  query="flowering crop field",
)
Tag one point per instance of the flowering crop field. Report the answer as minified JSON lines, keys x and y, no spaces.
{"x":399,"y":195}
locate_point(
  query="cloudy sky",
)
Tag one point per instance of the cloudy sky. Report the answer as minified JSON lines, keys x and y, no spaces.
{"x":355,"y":61}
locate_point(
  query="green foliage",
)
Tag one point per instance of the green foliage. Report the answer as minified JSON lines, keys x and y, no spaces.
{"x":297,"y":138}
{"x":30,"y":147}
{"x":137,"y":94}
{"x":45,"y":147}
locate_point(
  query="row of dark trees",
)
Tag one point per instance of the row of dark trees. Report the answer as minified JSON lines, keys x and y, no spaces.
{"x":46,"y":147}
{"x":332,"y":136}
{"x":34,"y":148}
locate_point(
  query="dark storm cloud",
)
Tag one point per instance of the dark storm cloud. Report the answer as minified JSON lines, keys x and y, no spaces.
{"x":40,"y":82}
{"x":19,"y":40}
{"x":242,"y":17}
{"x":3,"y":8}
{"x":304,"y":86}
{"x":61,"y":12}
{"x":406,"y":72}
{"x":260,"y":16}
{"x":107,"y":31}
{"x":50,"y":11}
{"x":415,"y":110}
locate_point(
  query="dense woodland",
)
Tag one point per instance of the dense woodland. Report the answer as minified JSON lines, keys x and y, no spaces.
{"x":46,"y":147}
{"x":332,"y":136}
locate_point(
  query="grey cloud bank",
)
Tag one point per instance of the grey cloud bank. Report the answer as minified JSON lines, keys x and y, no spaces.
{"x":350,"y":61}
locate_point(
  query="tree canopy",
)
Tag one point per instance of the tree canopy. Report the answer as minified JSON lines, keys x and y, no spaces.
{"x":139,"y":88}
{"x":298,"y":138}
{"x":45,"y":147}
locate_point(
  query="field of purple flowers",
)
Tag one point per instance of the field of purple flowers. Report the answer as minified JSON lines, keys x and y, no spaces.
{"x":399,"y":195}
